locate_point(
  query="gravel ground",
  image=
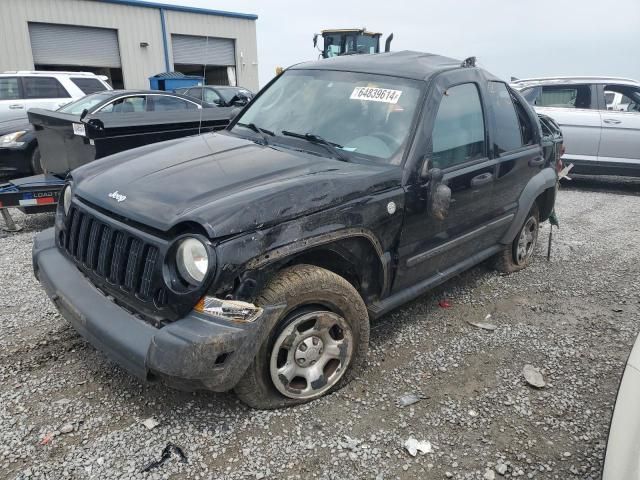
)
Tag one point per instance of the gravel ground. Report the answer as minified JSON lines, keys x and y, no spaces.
{"x":67,"y":412}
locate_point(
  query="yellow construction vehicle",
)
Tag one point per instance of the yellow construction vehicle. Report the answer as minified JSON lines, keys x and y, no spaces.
{"x":350,"y":41}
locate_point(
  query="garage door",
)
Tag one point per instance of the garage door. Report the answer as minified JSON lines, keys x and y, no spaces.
{"x":192,"y":50}
{"x":53,"y":44}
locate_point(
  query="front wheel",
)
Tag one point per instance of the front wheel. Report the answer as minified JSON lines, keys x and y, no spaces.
{"x":519,"y":253}
{"x":316,"y":347}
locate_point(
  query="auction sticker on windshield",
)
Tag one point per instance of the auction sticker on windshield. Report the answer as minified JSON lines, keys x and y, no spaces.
{"x":375,"y":94}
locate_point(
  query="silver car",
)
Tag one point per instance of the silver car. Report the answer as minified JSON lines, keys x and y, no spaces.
{"x":599,"y":117}
{"x":622,"y":461}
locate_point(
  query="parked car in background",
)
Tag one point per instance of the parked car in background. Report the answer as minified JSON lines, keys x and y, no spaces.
{"x":599,"y":117}
{"x":254,"y":259}
{"x":22,"y":90}
{"x":219,"y":95}
{"x":622,"y":460}
{"x":105,"y":123}
{"x":130,"y":101}
{"x":19,"y":152}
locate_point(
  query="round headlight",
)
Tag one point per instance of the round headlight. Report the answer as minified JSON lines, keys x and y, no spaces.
{"x":192,"y":260}
{"x":66,"y":199}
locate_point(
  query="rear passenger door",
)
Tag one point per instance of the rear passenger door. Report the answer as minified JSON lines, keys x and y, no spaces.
{"x":515,"y":145}
{"x":44,"y":92}
{"x":620,"y":139}
{"x":574,"y":108}
{"x":11,"y":99}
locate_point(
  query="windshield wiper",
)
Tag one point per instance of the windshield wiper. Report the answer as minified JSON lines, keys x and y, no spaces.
{"x":263,"y":132}
{"x":317,"y":139}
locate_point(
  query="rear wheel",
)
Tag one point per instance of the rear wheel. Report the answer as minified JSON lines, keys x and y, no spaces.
{"x":316,"y":347}
{"x":519,"y":253}
{"x":36,"y":164}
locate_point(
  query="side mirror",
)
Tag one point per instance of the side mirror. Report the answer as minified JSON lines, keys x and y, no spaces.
{"x":239,"y":101}
{"x":96,"y":124}
{"x":315,"y":39}
{"x":83,"y":114}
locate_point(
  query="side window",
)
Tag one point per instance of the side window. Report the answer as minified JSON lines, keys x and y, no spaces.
{"x":507,"y":134}
{"x":43,"y":87}
{"x":210,"y":96}
{"x":126,"y":105}
{"x":9,"y":88}
{"x":627,"y":100}
{"x":458,"y":132}
{"x":162,"y":103}
{"x":565,"y":96}
{"x":88,"y":85}
{"x":195,"y":92}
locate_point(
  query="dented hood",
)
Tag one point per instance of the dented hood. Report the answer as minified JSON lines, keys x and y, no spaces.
{"x":226,"y":184}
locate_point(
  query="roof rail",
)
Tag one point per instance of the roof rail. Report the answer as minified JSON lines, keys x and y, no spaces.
{"x":579,"y":77}
{"x":48,"y":72}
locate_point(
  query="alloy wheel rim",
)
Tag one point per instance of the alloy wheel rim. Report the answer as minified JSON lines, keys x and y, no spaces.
{"x":527,"y":240}
{"x":311,"y":355}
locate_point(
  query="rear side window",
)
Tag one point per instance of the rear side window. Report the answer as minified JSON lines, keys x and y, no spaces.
{"x":9,"y":88}
{"x":89,"y":85}
{"x":560,"y":96}
{"x":507,"y":135}
{"x":43,"y":87}
{"x":163,"y":103}
{"x":126,"y":105}
{"x":458,"y":131}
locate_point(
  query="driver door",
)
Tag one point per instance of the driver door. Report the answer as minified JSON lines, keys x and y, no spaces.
{"x":429,"y":246}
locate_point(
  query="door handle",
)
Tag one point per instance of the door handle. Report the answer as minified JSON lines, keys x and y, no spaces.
{"x":612,"y":121}
{"x":536,"y":162}
{"x":16,"y":107}
{"x":482,"y":179}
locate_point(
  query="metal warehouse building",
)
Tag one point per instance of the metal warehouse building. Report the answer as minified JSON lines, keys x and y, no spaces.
{"x":128,"y":40}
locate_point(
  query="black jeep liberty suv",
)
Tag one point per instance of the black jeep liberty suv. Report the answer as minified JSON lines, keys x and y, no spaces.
{"x":254,"y":259}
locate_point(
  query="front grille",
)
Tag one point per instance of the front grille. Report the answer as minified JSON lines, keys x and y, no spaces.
{"x":116,"y":256}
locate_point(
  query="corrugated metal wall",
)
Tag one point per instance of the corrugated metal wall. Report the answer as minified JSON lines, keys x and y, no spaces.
{"x":134,"y":25}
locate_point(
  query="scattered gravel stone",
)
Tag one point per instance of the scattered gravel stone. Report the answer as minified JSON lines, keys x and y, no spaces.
{"x":151,"y":423}
{"x":409,"y":399}
{"x":533,"y":376}
{"x":66,"y":428}
{"x":414,"y":446}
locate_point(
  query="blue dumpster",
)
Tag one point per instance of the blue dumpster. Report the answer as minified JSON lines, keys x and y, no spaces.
{"x":169,"y":81}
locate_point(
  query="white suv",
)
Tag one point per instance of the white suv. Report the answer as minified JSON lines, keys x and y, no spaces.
{"x":20,"y":91}
{"x":599,"y":117}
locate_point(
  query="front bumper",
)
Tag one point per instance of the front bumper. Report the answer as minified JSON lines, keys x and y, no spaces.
{"x":197,"y":352}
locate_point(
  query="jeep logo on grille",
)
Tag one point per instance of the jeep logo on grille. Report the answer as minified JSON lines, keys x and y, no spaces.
{"x":118,"y":197}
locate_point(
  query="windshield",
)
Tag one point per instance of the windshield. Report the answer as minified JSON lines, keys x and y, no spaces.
{"x":368,"y":116}
{"x":88,"y":102}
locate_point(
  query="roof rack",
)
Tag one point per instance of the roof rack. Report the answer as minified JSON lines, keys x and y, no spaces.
{"x":579,"y":77}
{"x":48,"y":72}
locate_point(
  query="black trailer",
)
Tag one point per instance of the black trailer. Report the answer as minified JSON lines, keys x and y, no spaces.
{"x":37,"y":194}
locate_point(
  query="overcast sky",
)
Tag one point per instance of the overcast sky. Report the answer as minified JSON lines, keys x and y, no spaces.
{"x":521,"y":38}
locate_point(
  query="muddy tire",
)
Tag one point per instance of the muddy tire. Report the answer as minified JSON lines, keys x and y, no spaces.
{"x":519,"y":253}
{"x":317,"y":346}
{"x":36,"y":164}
